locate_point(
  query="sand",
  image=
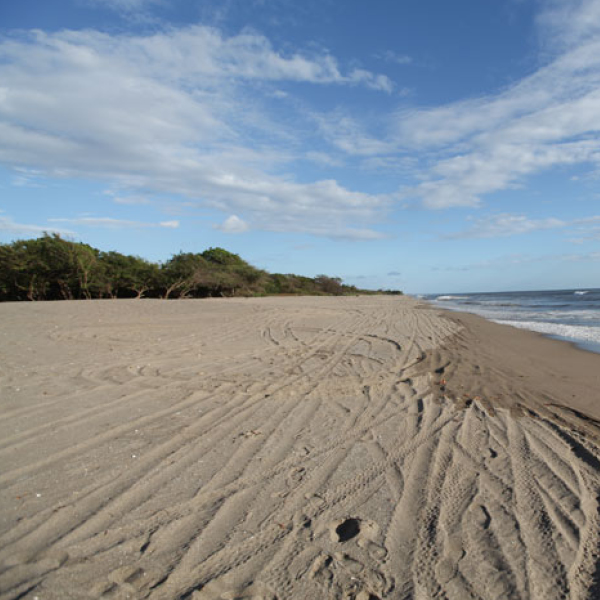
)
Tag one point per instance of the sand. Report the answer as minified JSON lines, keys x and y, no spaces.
{"x":283,"y":448}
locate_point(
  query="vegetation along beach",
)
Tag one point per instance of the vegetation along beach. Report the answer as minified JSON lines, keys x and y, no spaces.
{"x":299,"y":300}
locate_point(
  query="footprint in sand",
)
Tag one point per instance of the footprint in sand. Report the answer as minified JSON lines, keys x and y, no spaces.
{"x":123,"y":582}
{"x":352,"y":563}
{"x":367,"y":535}
{"x":220,"y":591}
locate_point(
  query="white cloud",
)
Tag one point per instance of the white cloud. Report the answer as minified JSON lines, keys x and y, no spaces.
{"x":349,"y":135}
{"x":190,"y":55}
{"x":127,"y":8}
{"x":175,"y":112}
{"x":110,"y":223}
{"x":375,"y":82}
{"x":473,"y":148}
{"x":122,"y":4}
{"x":27,"y":178}
{"x":582,"y":18}
{"x":511,"y":261}
{"x":588,"y":257}
{"x":404,"y":165}
{"x":505,"y":225}
{"x":129,"y":199}
{"x":586,"y":230}
{"x":589,"y":220}
{"x":323,"y":159}
{"x":394,"y":57}
{"x":7,"y":225}
{"x":350,"y":234}
{"x":233,"y":224}
{"x":499,"y":262}
{"x":547,"y":120}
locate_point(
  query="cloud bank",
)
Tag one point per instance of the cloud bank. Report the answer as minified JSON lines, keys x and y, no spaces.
{"x":547,"y":120}
{"x":178,"y":112}
{"x":189,"y":112}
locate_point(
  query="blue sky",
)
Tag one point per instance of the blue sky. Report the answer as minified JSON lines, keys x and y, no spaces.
{"x":430,"y":146}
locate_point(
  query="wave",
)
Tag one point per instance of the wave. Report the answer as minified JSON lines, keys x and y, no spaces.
{"x":575,"y":332}
{"x":591,"y":314}
{"x":581,"y":292}
{"x":496,"y":303}
{"x":446,"y":298}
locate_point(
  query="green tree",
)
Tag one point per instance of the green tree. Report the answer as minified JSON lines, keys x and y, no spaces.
{"x":51,"y":268}
{"x":183,"y":274}
{"x":329,"y":285}
{"x":222,"y":257}
{"x":128,"y":276}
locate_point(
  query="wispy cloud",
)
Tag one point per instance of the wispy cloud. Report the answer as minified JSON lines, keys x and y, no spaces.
{"x":10,"y":226}
{"x":110,"y":223}
{"x":582,"y":19}
{"x":351,"y":136}
{"x":468,"y":150}
{"x":174,"y":224}
{"x":27,"y":178}
{"x":547,"y":120}
{"x":510,"y":261}
{"x":324,"y":159}
{"x":125,"y":7}
{"x":586,"y":230}
{"x":587,"y":257}
{"x":128,"y":199}
{"x":193,"y":54}
{"x":186,"y":112}
{"x":174,"y":112}
{"x":394,"y":57}
{"x":505,"y":225}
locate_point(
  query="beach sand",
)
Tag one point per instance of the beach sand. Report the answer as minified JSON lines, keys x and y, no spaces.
{"x":293,"y":448}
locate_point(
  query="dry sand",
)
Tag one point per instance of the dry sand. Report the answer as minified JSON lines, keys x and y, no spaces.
{"x":293,"y":448}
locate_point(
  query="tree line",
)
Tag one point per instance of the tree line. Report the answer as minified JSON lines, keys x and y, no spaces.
{"x":52,"y":268}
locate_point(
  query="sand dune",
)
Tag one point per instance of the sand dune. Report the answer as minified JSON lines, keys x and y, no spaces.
{"x":290,"y":448}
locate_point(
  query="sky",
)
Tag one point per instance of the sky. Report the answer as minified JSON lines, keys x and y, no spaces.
{"x":423,"y":145}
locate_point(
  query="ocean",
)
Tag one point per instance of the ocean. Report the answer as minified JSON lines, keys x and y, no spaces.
{"x":572,"y":315}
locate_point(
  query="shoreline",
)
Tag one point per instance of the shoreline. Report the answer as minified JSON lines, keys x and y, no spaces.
{"x":557,"y":369}
{"x":551,"y":328}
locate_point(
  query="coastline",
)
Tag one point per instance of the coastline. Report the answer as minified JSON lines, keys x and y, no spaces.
{"x":568,"y":315}
{"x":292,"y":448}
{"x":558,"y":370}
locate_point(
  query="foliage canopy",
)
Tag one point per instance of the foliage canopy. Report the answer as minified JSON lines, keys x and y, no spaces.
{"x":52,"y":268}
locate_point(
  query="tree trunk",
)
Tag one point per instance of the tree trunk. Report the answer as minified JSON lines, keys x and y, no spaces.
{"x":140,"y":292}
{"x":171,"y":289}
{"x":65,"y":291}
{"x":30,"y":290}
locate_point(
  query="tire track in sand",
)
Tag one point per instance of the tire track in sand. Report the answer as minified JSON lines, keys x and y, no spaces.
{"x":315,"y":457}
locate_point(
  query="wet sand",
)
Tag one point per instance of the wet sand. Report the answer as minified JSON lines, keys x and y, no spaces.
{"x":363,"y":447}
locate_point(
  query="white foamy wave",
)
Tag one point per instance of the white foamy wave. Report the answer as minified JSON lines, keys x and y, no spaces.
{"x":581,"y":292}
{"x":574,"y":332}
{"x":579,"y":315}
{"x":446,"y":298}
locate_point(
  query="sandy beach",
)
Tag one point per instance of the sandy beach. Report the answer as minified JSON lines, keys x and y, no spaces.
{"x":293,"y":448}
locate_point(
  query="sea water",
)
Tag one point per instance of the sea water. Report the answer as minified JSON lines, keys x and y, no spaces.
{"x":572,"y":315}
